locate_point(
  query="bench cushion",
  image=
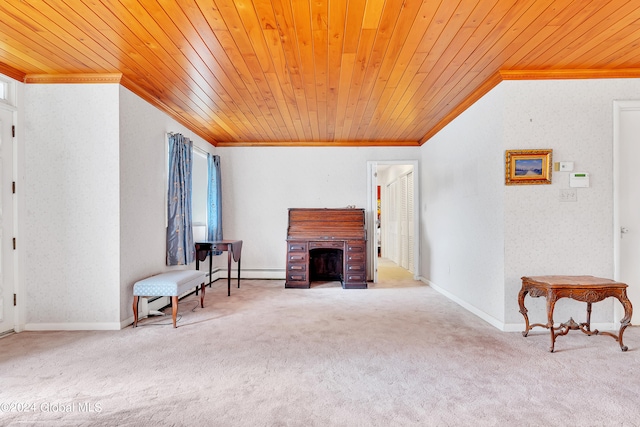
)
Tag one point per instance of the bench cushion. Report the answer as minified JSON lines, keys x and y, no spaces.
{"x":172,"y":283}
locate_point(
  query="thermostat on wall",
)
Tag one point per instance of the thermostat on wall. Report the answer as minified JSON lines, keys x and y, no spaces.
{"x":579,"y":179}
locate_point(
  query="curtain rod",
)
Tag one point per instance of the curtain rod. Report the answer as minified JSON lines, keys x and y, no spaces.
{"x":195,"y":147}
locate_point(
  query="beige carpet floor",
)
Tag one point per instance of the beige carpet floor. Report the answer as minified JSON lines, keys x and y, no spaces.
{"x":396,"y":354}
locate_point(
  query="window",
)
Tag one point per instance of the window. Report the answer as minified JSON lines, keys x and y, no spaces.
{"x":6,"y":91}
{"x":199,"y":187}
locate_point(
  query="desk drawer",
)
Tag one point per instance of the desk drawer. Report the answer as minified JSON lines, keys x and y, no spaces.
{"x":294,"y":257}
{"x":327,"y":245}
{"x":297,"y":246}
{"x":355,"y":247}
{"x":352,"y":268}
{"x":356,"y":278}
{"x":297,"y":277}
{"x":355,"y":257}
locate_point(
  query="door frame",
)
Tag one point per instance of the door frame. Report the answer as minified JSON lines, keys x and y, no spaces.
{"x":11,"y":286}
{"x":15,"y":105}
{"x":618,"y":107}
{"x":372,"y":182}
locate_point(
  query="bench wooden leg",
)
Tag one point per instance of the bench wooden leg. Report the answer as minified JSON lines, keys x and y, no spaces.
{"x":174,"y":309}
{"x":135,"y":311}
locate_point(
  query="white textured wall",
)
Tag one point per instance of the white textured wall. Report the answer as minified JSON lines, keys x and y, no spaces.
{"x":461,"y":214}
{"x":71,"y":224}
{"x":143,"y":148}
{"x":260,"y":184}
{"x":542,"y":234}
{"x":94,"y":172}
{"x":480,"y":236}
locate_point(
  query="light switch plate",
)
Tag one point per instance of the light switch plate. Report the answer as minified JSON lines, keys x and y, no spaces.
{"x":568,"y":195}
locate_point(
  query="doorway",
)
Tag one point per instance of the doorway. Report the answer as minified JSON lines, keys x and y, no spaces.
{"x":626,"y":152}
{"x":395,"y":233}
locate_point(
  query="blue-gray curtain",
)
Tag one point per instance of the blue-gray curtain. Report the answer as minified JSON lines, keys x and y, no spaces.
{"x":214,"y":200}
{"x":180,"y":246}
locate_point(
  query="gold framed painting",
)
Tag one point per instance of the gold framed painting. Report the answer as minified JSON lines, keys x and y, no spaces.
{"x":523,"y":167}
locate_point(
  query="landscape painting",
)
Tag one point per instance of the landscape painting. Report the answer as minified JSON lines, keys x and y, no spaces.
{"x":528,"y":167}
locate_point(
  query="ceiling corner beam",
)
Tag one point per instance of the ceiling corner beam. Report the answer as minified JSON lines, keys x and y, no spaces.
{"x":9,"y":71}
{"x":73,"y":78}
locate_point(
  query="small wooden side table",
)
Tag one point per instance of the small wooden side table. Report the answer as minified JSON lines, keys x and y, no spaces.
{"x":588,"y":289}
{"x":234,"y":250}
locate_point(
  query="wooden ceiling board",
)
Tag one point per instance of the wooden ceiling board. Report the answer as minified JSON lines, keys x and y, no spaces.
{"x":573,"y":30}
{"x":626,"y":40}
{"x":388,"y":51}
{"x":435,"y":68}
{"x":441,"y":31}
{"x":316,"y":72}
{"x":152,"y":78}
{"x":591,"y":42}
{"x":23,"y":43}
{"x":515,"y":30}
{"x":436,"y":92}
{"x":416,"y":17}
{"x":187,"y":51}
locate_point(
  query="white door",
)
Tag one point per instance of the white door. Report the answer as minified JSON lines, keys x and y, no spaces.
{"x":6,"y":222}
{"x":628,"y":203}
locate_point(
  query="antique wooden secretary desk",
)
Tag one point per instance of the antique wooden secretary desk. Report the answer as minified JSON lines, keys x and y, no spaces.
{"x":326,"y":244}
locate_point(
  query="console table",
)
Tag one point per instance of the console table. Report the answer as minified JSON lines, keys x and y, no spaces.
{"x":587,"y":289}
{"x":233,"y":249}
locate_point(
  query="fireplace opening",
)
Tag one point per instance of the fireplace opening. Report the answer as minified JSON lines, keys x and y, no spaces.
{"x":325,"y":264}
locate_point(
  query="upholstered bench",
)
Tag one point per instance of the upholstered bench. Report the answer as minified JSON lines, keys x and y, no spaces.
{"x":171,"y":284}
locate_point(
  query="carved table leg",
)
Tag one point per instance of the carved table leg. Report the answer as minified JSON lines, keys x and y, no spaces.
{"x":551,"y":302}
{"x":523,"y":311}
{"x":588,"y":322}
{"x":626,"y":320}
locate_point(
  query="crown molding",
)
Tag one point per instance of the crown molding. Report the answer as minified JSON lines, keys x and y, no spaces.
{"x":73,"y":78}
{"x":569,"y":74}
{"x":9,"y":71}
{"x":317,"y":144}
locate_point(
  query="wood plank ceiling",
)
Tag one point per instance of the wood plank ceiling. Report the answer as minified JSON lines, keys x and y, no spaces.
{"x":316,"y":72}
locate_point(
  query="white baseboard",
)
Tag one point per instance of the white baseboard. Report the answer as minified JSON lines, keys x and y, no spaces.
{"x":264,"y":274}
{"x":76,"y":326}
{"x":506,"y":327}
{"x":481,"y":314}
